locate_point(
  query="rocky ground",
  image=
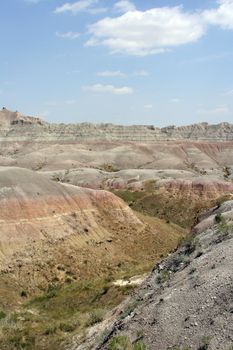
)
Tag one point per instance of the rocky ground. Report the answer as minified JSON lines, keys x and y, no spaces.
{"x":186,"y":303}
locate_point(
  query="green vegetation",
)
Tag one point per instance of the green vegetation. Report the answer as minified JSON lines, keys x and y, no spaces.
{"x":163,"y":277}
{"x":226,"y":173}
{"x":110,"y":168}
{"x":122,"y":342}
{"x":205,"y":342}
{"x":95,"y":317}
{"x":48,"y":320}
{"x":129,"y":310}
{"x":179,"y":348}
{"x":174,"y":207}
{"x":218,"y":218}
{"x":2,"y":315}
{"x":190,"y":244}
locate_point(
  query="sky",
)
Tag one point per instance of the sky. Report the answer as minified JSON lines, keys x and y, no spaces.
{"x":156,"y":62}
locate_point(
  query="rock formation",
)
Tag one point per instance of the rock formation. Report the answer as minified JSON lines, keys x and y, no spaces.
{"x":16,"y":127}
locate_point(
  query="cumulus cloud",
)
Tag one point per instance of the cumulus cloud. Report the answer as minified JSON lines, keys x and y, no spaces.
{"x":68,"y":35}
{"x":111,"y":74}
{"x":222,"y":15}
{"x":124,"y":6}
{"x":156,"y":30}
{"x":99,"y":88}
{"x":150,"y":32}
{"x":149,"y":106}
{"x":175,"y":100}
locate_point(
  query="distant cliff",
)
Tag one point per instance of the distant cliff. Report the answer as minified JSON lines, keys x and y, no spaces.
{"x":16,"y":127}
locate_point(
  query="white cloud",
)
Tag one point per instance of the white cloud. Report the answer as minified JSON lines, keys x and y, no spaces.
{"x":76,"y":7}
{"x":149,"y":106}
{"x":222,"y":15}
{"x":68,"y":35}
{"x":111,"y":74}
{"x":156,"y":30}
{"x":141,"y":73}
{"x":99,"y":88}
{"x":217,"y":110}
{"x":124,"y":6}
{"x":150,"y":32}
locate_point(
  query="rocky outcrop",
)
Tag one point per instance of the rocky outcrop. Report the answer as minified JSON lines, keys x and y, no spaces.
{"x":186,"y":303}
{"x":9,"y":119}
{"x":15,"y":127}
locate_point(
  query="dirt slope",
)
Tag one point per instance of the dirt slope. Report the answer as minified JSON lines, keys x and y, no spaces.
{"x":186,"y":303}
{"x":45,"y":224}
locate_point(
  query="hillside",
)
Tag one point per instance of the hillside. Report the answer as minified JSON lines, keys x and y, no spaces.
{"x":186,"y":303}
{"x":88,"y":210}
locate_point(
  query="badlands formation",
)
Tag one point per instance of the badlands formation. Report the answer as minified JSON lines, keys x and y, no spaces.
{"x":85,"y":208}
{"x":186,"y":303}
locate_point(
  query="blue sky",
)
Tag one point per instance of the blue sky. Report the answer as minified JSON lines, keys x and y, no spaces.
{"x":144,"y":62}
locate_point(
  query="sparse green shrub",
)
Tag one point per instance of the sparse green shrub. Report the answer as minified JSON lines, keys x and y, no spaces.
{"x":182,"y":260}
{"x":110,"y":168}
{"x":23,"y":294}
{"x":94,"y":317}
{"x":140,"y":333}
{"x":190,"y":244}
{"x":227,"y":172}
{"x":179,"y":348}
{"x":2,"y":315}
{"x":218,"y":218}
{"x":50,"y":330}
{"x":129,"y":310}
{"x":139,"y":345}
{"x":205,"y":342}
{"x":120,"y":342}
{"x":163,"y":277}
{"x":21,"y":340}
{"x":67,"y":327}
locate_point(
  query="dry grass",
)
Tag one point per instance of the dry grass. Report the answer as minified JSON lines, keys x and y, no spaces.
{"x":68,"y":307}
{"x":181,"y":208}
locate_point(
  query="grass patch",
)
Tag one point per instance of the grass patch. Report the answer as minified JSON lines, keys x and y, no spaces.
{"x":122,"y":342}
{"x":175,"y":207}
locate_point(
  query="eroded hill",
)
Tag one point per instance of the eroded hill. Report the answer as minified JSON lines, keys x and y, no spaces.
{"x":86,"y":212}
{"x":186,"y":303}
